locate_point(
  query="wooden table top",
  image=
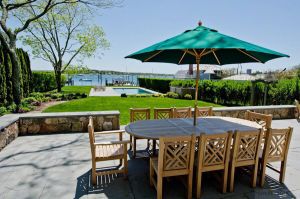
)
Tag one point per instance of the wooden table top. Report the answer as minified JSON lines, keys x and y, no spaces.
{"x":153,"y":129}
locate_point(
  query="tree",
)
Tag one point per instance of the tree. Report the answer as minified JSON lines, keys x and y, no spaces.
{"x":62,"y":35}
{"x":9,"y":11}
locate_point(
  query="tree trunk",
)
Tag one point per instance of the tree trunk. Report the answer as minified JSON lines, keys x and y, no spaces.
{"x":58,"y":80}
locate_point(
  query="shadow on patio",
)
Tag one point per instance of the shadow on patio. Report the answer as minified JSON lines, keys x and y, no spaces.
{"x":115,"y":186}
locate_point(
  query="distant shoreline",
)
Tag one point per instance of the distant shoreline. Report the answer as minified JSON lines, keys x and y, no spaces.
{"x":111,"y":72}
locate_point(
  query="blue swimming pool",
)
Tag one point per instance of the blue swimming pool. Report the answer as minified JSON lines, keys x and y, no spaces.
{"x":133,"y":91}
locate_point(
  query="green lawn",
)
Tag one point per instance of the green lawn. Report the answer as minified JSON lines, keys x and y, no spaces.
{"x":121,"y":104}
{"x":76,"y":89}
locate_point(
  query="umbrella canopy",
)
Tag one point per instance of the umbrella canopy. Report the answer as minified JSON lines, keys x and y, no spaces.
{"x":206,"y":46}
{"x":214,"y":48}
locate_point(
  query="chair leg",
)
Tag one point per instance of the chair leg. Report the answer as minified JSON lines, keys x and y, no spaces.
{"x":150,"y":173}
{"x":130,"y":147}
{"x":254,"y":176}
{"x":94,"y":176}
{"x":125,"y":164}
{"x":198,"y":185}
{"x":231,"y":180}
{"x":262,"y":173}
{"x":190,"y":186}
{"x":282,"y":171}
{"x":225,"y":179}
{"x":159,"y":187}
{"x":134,"y":147}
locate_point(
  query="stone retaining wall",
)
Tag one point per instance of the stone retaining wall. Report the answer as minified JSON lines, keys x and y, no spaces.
{"x":68,"y":122}
{"x":13,"y":125}
{"x":8,"y":134}
{"x":278,"y":111}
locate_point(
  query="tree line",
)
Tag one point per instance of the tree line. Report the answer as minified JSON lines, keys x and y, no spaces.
{"x":6,"y":77}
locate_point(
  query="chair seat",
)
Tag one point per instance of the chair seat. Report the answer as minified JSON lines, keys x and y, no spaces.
{"x":112,"y":151}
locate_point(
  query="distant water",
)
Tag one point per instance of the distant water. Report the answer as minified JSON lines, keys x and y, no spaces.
{"x":101,"y":80}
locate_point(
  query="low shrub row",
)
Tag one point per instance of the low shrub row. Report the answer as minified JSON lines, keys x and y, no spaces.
{"x":232,"y":93}
{"x":159,"y":85}
{"x":36,"y":99}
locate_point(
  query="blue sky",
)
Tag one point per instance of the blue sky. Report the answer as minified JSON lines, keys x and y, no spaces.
{"x":137,"y":24}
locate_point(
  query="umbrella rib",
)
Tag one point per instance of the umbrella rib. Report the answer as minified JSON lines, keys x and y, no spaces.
{"x":216,"y":58}
{"x":152,"y":56}
{"x":195,"y":52}
{"x":249,"y":55}
{"x":182,"y":57}
{"x":208,"y":52}
{"x":202,"y":52}
{"x":191,"y":53}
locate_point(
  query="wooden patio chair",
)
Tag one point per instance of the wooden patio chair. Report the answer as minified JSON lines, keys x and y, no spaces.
{"x":175,"y":158}
{"x":213,"y":155}
{"x":204,"y":111}
{"x":263,"y":120}
{"x":275,"y":150}
{"x":104,"y":151}
{"x":137,"y":114}
{"x":182,"y":112}
{"x":245,"y":152}
{"x":163,"y":113}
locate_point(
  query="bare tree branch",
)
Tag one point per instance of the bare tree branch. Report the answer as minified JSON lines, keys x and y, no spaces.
{"x":13,"y":6}
{"x":73,"y":56}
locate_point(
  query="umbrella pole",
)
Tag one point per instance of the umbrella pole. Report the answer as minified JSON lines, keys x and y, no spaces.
{"x":196,"y":93}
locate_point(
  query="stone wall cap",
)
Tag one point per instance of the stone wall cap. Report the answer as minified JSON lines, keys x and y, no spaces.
{"x":7,"y":120}
{"x":253,"y":107}
{"x":68,"y":114}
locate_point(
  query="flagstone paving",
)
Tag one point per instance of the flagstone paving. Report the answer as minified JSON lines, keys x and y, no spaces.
{"x":58,"y":166}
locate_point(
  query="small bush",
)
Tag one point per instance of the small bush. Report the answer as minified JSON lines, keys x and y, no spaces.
{"x":83,"y":95}
{"x":172,"y":95}
{"x":24,"y":109}
{"x":36,"y":95}
{"x":29,"y":100}
{"x":3,"y":110}
{"x":123,"y":95}
{"x":12,"y":107}
{"x":188,"y":96}
{"x":46,"y":99}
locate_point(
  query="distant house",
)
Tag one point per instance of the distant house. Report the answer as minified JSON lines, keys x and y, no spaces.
{"x":206,"y":72}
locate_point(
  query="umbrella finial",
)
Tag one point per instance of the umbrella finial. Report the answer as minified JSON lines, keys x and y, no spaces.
{"x":199,"y":23}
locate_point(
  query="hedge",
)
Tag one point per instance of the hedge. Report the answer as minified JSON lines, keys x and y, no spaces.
{"x":229,"y":92}
{"x":156,"y":84}
{"x":233,"y":93}
{"x":45,"y":81}
{"x":6,"y":92}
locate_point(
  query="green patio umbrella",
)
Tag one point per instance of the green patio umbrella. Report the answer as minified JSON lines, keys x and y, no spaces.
{"x":206,"y":46}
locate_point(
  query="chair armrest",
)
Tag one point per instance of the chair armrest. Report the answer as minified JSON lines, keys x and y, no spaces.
{"x":109,"y":132}
{"x":112,"y":142}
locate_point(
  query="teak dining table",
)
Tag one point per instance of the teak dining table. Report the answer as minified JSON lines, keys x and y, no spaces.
{"x":153,"y":129}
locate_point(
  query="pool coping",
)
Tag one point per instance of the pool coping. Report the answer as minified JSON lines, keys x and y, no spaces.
{"x":109,"y":91}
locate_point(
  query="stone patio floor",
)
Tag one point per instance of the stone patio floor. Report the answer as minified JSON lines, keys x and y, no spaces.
{"x":58,"y":166}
